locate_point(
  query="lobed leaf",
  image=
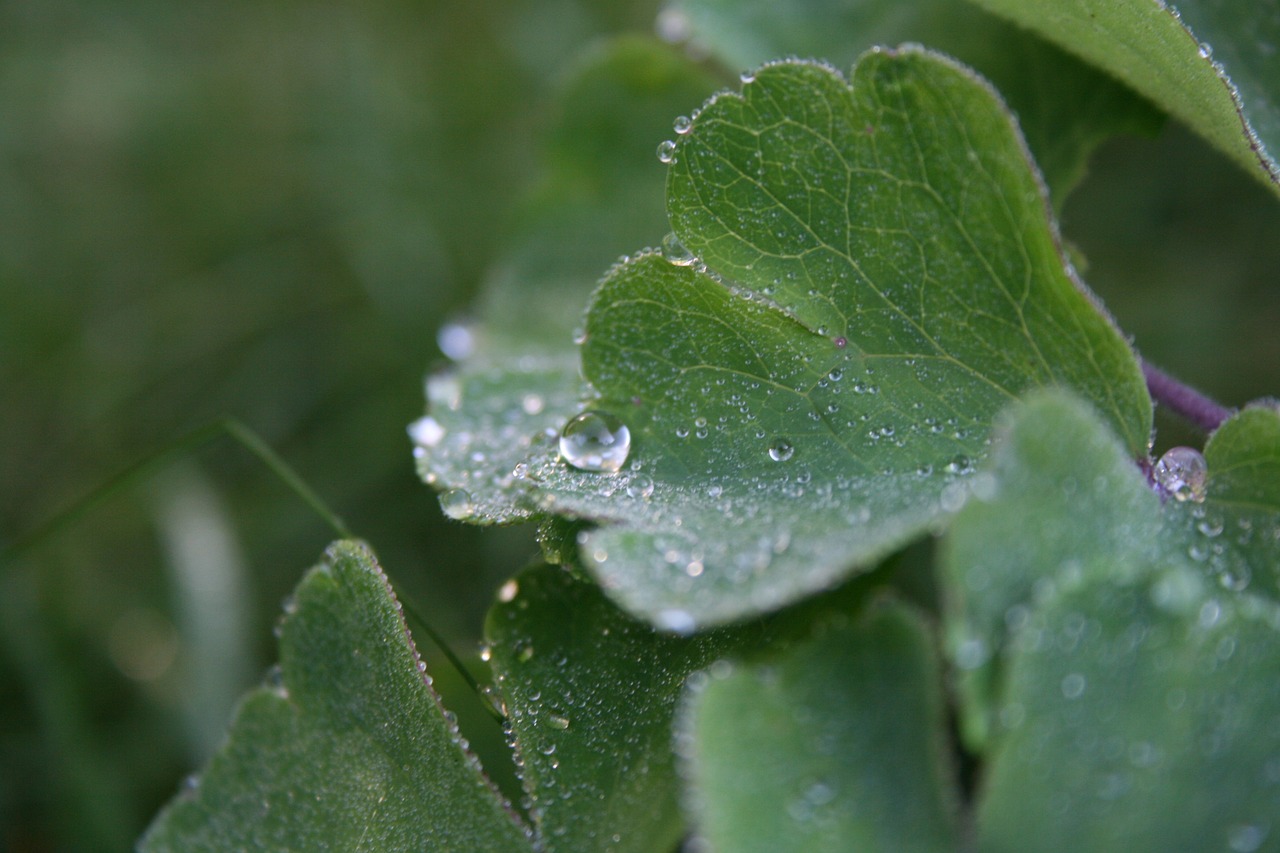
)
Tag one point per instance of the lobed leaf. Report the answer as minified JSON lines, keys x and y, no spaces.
{"x":1119,"y":693}
{"x":873,"y":276}
{"x":348,"y":749}
{"x":837,"y":745}
{"x":590,"y":694}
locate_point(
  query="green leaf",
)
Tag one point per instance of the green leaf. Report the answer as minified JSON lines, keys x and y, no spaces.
{"x":1120,"y":695}
{"x":602,"y":196}
{"x":838,"y":745}
{"x":881,"y":279}
{"x":1235,"y":533}
{"x":1065,"y":107}
{"x":1138,"y":716}
{"x":593,"y":731}
{"x":348,"y":749}
{"x":1051,"y":461}
{"x":1222,"y":81}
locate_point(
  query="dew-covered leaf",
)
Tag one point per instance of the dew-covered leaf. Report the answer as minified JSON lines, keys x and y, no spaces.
{"x":590,"y":694}
{"x":1138,"y":716}
{"x":1223,"y":80}
{"x":518,"y":375}
{"x":881,"y":279}
{"x":348,"y":748}
{"x":837,"y":745}
{"x":1064,"y":106}
{"x":1235,"y":532}
{"x":1119,"y":693}
{"x":1049,"y":463}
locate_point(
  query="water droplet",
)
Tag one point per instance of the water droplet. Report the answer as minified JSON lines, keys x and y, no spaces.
{"x":557,"y":722}
{"x":682,"y":125}
{"x":508,"y":591}
{"x":960,"y":464}
{"x":532,"y":404}
{"x":640,"y":486}
{"x":1206,"y":50}
{"x":747,"y":77}
{"x":521,"y":471}
{"x":676,"y":621}
{"x":667,"y":151}
{"x":781,"y":450}
{"x":456,"y":340}
{"x":1182,"y":473}
{"x":426,"y":432}
{"x":1246,"y":838}
{"x":595,"y":441}
{"x":675,"y":252}
{"x":1073,"y":686}
{"x":841,"y":342}
{"x":457,"y":504}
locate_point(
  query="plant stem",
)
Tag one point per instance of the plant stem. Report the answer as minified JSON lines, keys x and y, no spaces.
{"x":1183,"y":400}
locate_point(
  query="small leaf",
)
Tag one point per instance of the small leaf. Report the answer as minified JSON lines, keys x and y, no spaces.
{"x":1235,"y":533}
{"x":348,"y":748}
{"x":1222,"y":81}
{"x":838,"y":745}
{"x":881,"y":279}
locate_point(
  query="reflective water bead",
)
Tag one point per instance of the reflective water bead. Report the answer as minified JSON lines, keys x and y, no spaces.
{"x":1183,"y":473}
{"x":682,"y":125}
{"x":781,"y":450}
{"x":675,"y":252}
{"x":667,"y":151}
{"x":457,"y":504}
{"x":426,"y":431}
{"x":595,"y":441}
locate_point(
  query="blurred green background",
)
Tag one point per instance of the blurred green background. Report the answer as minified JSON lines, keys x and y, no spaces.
{"x":268,"y":211}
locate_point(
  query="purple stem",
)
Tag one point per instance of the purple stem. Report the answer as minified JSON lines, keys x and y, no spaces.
{"x":1183,"y":400}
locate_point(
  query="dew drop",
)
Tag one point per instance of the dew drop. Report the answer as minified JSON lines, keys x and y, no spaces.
{"x":457,"y":504}
{"x":682,"y":125}
{"x":667,"y":151}
{"x":426,"y":432}
{"x":456,"y":340}
{"x":1182,"y":473}
{"x":557,"y":722}
{"x":1206,"y":50}
{"x":960,"y":464}
{"x":640,"y":487}
{"x":675,"y":252}
{"x":595,"y":441}
{"x":841,"y":342}
{"x":781,"y":450}
{"x":747,"y":77}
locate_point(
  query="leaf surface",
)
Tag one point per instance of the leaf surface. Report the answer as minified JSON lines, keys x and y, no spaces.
{"x":1064,"y":106}
{"x":881,"y":278}
{"x":1103,"y":668}
{"x":838,"y":745}
{"x":1223,"y":81}
{"x":349,"y":749}
{"x":590,"y":695}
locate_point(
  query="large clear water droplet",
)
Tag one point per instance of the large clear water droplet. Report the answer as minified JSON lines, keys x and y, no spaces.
{"x":1182,"y":473}
{"x":667,"y":151}
{"x":595,"y":441}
